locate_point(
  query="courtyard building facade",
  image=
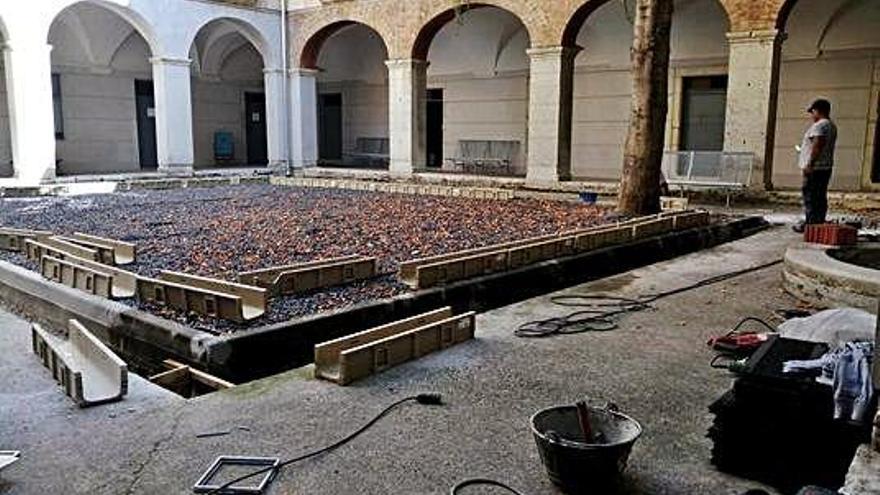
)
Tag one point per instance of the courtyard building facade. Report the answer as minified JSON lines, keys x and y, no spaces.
{"x":539,"y":90}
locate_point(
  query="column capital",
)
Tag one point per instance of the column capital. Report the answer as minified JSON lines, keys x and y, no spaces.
{"x":765,"y":36}
{"x":180,"y":62}
{"x":303,"y":72}
{"x":399,"y":63}
{"x":273,"y":70}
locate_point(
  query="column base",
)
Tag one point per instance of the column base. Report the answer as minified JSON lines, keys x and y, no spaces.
{"x":177,"y":170}
{"x":545,"y":179}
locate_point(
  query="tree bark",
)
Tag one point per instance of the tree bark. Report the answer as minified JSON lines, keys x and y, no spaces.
{"x":643,"y":155}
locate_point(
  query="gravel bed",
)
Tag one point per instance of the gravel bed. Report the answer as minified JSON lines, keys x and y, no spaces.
{"x":219,"y":232}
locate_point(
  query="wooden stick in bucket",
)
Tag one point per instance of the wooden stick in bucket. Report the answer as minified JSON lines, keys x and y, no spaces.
{"x":584,"y":419}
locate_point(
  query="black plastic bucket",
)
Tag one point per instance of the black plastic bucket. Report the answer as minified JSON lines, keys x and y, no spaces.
{"x":575,"y":465}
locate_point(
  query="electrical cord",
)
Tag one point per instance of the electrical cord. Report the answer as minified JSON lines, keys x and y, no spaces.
{"x":430,"y":399}
{"x":600,"y":313}
{"x":481,"y":482}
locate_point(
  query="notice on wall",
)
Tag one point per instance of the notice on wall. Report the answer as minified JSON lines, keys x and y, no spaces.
{"x":255,"y":117}
{"x":151,"y":112}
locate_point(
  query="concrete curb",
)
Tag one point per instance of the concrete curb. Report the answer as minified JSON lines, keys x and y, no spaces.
{"x":141,"y":338}
{"x":811,"y":274}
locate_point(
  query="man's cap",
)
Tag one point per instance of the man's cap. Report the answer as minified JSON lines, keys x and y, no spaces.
{"x":821,"y":105}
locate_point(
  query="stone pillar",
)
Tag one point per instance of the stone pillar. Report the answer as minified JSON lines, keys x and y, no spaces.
{"x":28,"y":69}
{"x":303,"y":105}
{"x":174,"y":124}
{"x":551,"y":84}
{"x":752,"y":91}
{"x":276,"y":119}
{"x":407,"y":95}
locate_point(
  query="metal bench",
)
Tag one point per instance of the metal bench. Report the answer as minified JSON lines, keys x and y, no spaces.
{"x":372,"y":152}
{"x":485,"y":157}
{"x":723,"y":171}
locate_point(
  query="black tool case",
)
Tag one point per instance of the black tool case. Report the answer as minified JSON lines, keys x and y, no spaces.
{"x":778,"y":428}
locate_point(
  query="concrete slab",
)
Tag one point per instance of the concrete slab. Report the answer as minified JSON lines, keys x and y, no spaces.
{"x":655,"y":367}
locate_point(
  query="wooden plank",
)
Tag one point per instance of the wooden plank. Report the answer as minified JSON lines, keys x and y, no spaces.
{"x":78,"y":277}
{"x":327,"y":354}
{"x":200,"y":376}
{"x":266,"y":277}
{"x":253,"y":299}
{"x":14,"y":239}
{"x":124,"y":282}
{"x":188,"y":298}
{"x":124,"y":253}
{"x":362,"y":361}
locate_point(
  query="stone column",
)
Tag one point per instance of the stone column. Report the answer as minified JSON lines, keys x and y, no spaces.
{"x":303,"y":105}
{"x":752,"y":91}
{"x":407,"y":94}
{"x":276,"y":119}
{"x":174,"y":124}
{"x":28,"y":69}
{"x":551,"y":84}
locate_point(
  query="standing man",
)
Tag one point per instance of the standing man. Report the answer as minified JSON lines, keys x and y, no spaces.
{"x":817,"y":162}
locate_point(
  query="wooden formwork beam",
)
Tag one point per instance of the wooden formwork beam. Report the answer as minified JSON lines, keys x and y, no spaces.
{"x":14,"y":239}
{"x":253,"y":299}
{"x":90,"y":373}
{"x":691,"y":220}
{"x":395,"y":348}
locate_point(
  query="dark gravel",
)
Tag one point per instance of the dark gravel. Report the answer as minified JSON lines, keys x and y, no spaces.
{"x":219,"y":232}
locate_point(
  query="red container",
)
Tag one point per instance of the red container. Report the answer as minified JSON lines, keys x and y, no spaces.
{"x":831,"y":234}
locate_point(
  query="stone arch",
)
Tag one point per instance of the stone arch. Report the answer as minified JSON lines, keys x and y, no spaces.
{"x":311,"y":51}
{"x":135,"y":19}
{"x":422,"y":41}
{"x":783,"y":13}
{"x":582,"y":13}
{"x":242,"y":27}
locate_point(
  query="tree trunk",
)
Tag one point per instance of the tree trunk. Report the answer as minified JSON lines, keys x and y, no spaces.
{"x":643,"y":155}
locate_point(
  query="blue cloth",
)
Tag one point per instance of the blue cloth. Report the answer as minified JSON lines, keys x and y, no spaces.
{"x":848,"y":370}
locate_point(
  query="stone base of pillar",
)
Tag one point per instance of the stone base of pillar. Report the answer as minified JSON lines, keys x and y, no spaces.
{"x":177,"y":170}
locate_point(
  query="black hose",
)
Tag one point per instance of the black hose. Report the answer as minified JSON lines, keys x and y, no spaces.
{"x":481,"y":482}
{"x":425,"y":399}
{"x":599,"y":313}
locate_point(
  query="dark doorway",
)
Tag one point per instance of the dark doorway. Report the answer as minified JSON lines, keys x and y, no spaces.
{"x":435,"y":128}
{"x":145,"y":107}
{"x":330,"y":127}
{"x":704,"y":107}
{"x":255,"y":129}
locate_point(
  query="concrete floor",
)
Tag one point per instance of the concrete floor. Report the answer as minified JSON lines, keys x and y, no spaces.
{"x":654,"y":367}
